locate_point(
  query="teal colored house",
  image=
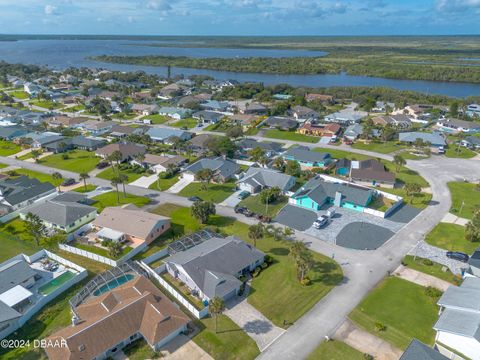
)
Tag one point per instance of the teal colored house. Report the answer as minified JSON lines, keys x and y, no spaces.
{"x":342,"y":167}
{"x":317,"y":192}
{"x":308,"y":158}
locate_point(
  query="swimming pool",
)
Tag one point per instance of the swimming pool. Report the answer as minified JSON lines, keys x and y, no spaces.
{"x":112,"y":284}
{"x":53,"y":284}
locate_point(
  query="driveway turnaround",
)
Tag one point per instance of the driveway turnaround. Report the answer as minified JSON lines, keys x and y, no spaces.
{"x":296,"y":217}
{"x":363,"y":236}
{"x":437,"y":255}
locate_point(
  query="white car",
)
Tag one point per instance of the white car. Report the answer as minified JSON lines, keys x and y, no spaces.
{"x":320,"y":222}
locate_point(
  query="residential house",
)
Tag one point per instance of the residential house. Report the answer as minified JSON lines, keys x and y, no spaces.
{"x":165,"y":135}
{"x":129,"y":224}
{"x":189,"y":100}
{"x":257,"y":179}
{"x":474,"y":263}
{"x":352,"y":132}
{"x":282,"y":123}
{"x":81,"y":142}
{"x":473,"y":110}
{"x":381,"y":106}
{"x":212,"y":268}
{"x":87,"y":143}
{"x":346,"y":116}
{"x":324,"y":99}
{"x":28,"y":283}
{"x":245,"y":121}
{"x":328,"y":130}
{"x":471,"y":142}
{"x":223,"y":169}
{"x":66,"y":121}
{"x":174,"y":113}
{"x":170,"y":91}
{"x":128,"y":150}
{"x":270,"y":148}
{"x":66,"y":212}
{"x":318,"y":192}
{"x":457,"y":125}
{"x":419,"y":351}
{"x":32,"y":89}
{"x":18,"y":192}
{"x":254,"y":109}
{"x":97,"y":128}
{"x":145,"y":109}
{"x":282,"y":96}
{"x":199,"y":143}
{"x":214,"y":105}
{"x":40,"y":140}
{"x":13,"y":132}
{"x":435,"y":139}
{"x":369,"y":172}
{"x":208,"y":117}
{"x":106,"y":323}
{"x":161,"y":163}
{"x":307,"y":158}
{"x":303,"y":113}
{"x":120,"y":131}
{"x":458,"y":327}
{"x":399,"y":121}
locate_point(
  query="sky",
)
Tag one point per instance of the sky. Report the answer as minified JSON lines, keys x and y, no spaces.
{"x":240,"y":17}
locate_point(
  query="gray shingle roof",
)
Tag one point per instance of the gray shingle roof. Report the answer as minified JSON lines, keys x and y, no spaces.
{"x":14,"y":273}
{"x":269,"y":178}
{"x":433,"y":138}
{"x":224,"y":167}
{"x":23,"y":188}
{"x":306,"y":155}
{"x":419,"y":351}
{"x":319,"y":190}
{"x":213,"y":264}
{"x":459,"y":322}
{"x":248,"y":144}
{"x":281,"y":122}
{"x":60,"y":211}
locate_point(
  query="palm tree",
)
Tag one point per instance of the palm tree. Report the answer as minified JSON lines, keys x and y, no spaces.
{"x":140,"y":158}
{"x":84,"y":176}
{"x":399,"y":161}
{"x":115,"y":182}
{"x":123,"y":179}
{"x":58,"y":179}
{"x":35,"y":227}
{"x":411,"y":189}
{"x":275,"y":232}
{"x":216,"y":308}
{"x":35,"y":155}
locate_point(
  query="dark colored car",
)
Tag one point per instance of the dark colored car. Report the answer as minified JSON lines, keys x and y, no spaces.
{"x":455,"y":255}
{"x":68,"y":182}
{"x":240,"y":209}
{"x":102,"y":165}
{"x":194,"y":198}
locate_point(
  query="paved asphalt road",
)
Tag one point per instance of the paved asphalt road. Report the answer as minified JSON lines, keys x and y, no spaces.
{"x":362,"y":269}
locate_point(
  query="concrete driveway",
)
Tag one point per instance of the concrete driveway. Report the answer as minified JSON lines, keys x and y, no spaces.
{"x":182,"y":347}
{"x":363,"y":236}
{"x":437,"y":255}
{"x":145,"y":181}
{"x":421,"y":279}
{"x":179,"y":185}
{"x":232,"y":200}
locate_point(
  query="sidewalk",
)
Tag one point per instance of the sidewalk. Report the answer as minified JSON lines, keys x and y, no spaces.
{"x":453,"y":219}
{"x":420,"y":278}
{"x":367,"y":343}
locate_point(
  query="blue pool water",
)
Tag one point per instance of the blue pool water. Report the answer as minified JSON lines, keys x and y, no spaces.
{"x":112,"y":284}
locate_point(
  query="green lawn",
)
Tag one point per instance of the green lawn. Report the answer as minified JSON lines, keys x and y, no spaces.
{"x":462,"y":153}
{"x":26,"y":156}
{"x":189,"y":123}
{"x":11,"y":246}
{"x":466,"y":194}
{"x":8,"y":148}
{"x":410,"y":156}
{"x":335,"y":350}
{"x":3,"y":166}
{"x":401,"y":306}
{"x":109,"y":174}
{"x":156,"y":119}
{"x":420,"y":200}
{"x":78,"y":161}
{"x":140,"y":350}
{"x":405,"y":175}
{"x":290,"y":135}
{"x":37,"y":175}
{"x":82,"y":189}
{"x":215,"y":192}
{"x":274,"y":298}
{"x":423,"y":265}
{"x":103,"y":252}
{"x":110,"y":199}
{"x":124,"y":116}
{"x":380,"y":147}
{"x":19,"y":94}
{"x":451,"y":237}
{"x":164,"y":184}
{"x":75,"y":108}
{"x":229,"y":343}
{"x":254,"y":204}
{"x":46,"y":104}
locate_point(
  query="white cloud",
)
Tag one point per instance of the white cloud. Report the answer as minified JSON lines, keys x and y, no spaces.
{"x":160,"y":5}
{"x":457,"y":5}
{"x":50,"y":10}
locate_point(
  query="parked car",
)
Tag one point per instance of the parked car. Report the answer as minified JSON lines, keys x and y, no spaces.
{"x":240,"y":209}
{"x":455,"y":255}
{"x":104,"y":188}
{"x":68,"y":182}
{"x":243,"y":195}
{"x":320,"y":222}
{"x":102,"y":165}
{"x":194,"y":198}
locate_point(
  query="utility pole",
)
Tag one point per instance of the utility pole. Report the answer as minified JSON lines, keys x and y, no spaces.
{"x":461,"y":208}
